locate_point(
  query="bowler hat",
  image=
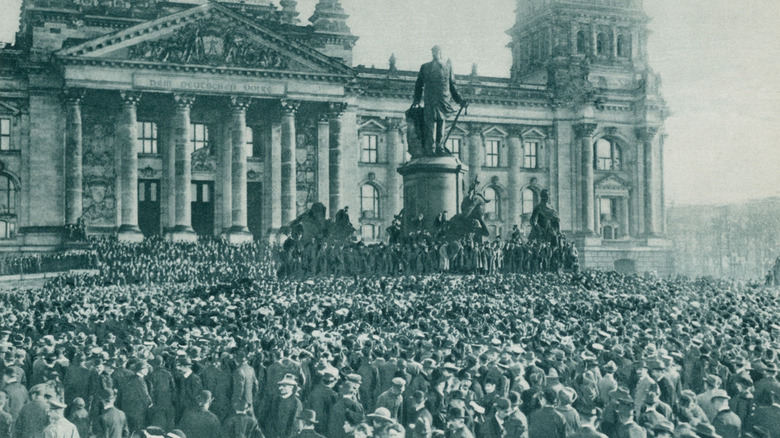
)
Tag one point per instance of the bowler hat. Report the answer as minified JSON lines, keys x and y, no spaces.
{"x":308,"y":416}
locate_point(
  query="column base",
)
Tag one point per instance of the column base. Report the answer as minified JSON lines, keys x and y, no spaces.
{"x":239,"y":235}
{"x":182,"y":233}
{"x":130,"y":233}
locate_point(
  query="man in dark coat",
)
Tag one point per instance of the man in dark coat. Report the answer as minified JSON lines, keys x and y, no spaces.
{"x":134,"y":398}
{"x":162,"y":389}
{"x":346,"y":407}
{"x":112,"y":423}
{"x":438,"y":84}
{"x":16,"y":392}
{"x":191,"y":387}
{"x":100,"y":385}
{"x":547,"y":422}
{"x":241,"y":424}
{"x":308,"y":420}
{"x":322,"y":398}
{"x":216,"y":378}
{"x":199,"y":422}
{"x":76,"y":381}
{"x":244,"y":381}
{"x":767,"y":413}
{"x":726,"y":422}
{"x":5,"y":418}
{"x":33,"y":418}
{"x":279,"y":418}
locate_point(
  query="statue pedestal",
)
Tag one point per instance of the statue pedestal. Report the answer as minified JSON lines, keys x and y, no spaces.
{"x":432,"y":185}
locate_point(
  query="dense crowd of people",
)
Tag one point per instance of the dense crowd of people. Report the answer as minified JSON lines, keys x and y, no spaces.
{"x":237,"y":352}
{"x":426,"y":256}
{"x":39,"y":263}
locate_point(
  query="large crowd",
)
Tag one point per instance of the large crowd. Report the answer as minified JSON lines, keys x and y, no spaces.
{"x":204,"y":340}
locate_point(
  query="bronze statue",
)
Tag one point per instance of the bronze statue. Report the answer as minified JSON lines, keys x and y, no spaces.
{"x":435,"y":87}
{"x":470,"y":219}
{"x":545,"y":223}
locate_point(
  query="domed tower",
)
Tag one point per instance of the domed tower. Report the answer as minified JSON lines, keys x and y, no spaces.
{"x":596,"y":35}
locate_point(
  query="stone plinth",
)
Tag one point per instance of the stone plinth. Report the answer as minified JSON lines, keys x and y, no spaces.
{"x":432,"y":185}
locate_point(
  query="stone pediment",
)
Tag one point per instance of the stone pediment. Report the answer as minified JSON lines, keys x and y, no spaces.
{"x":208,"y":36}
{"x":612,"y":182}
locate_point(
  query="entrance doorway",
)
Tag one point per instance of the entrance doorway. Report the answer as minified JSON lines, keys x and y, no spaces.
{"x":254,"y":209}
{"x":149,"y":206}
{"x":203,"y":207}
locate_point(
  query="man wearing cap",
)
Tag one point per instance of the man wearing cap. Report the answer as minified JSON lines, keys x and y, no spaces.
{"x":742,"y":402}
{"x":242,"y":423}
{"x":200,"y":422}
{"x":566,"y":397}
{"x":59,"y":426}
{"x":278,"y":418}
{"x":727,"y":424}
{"x":134,"y":399}
{"x":392,"y":399}
{"x":80,"y":417}
{"x":322,"y":398}
{"x":162,"y":389}
{"x":607,"y":383}
{"x":711,"y":384}
{"x":33,"y":417}
{"x":16,"y":392}
{"x":112,"y":422}
{"x":308,"y":421}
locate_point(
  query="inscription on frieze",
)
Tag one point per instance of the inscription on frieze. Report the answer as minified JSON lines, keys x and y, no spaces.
{"x":233,"y":86}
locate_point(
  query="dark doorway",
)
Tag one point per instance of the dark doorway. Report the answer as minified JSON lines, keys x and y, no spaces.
{"x":254,"y":209}
{"x":149,"y":206}
{"x":203,"y":207}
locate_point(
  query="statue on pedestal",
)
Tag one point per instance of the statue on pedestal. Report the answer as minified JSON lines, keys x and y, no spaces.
{"x":435,"y":87}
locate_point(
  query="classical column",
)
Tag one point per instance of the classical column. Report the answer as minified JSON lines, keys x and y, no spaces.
{"x":73,"y":154}
{"x":183,"y":167}
{"x":597,"y":219}
{"x":223,"y":184}
{"x":652,"y":193}
{"x":127,"y":142}
{"x":584,"y":133}
{"x":239,"y":232}
{"x":289,"y":209}
{"x":393,"y":187}
{"x":272,"y":175}
{"x":476,"y":153}
{"x":624,"y":213}
{"x":514,"y":189}
{"x":335,"y":111}
{"x":323,"y":159}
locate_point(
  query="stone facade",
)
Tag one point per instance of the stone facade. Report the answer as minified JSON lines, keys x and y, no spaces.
{"x":230,"y":118}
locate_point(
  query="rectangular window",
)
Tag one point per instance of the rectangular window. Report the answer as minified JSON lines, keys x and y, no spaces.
{"x":249,"y":134}
{"x":606,"y":208}
{"x":491,"y":155}
{"x":153,"y":192}
{"x":368,"y":153}
{"x":194,"y":192}
{"x":453,"y":145}
{"x":199,"y":137}
{"x":529,"y":154}
{"x":141,"y":192}
{"x":5,"y":134}
{"x":205,"y":193}
{"x":368,"y":232}
{"x":147,"y":137}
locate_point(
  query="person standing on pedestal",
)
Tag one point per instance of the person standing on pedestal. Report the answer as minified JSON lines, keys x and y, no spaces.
{"x":437,"y":80}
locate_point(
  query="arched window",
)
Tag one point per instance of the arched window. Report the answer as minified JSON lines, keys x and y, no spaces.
{"x":582,"y":42}
{"x":493,"y":206}
{"x":529,"y":202}
{"x":624,"y":46}
{"x":607,"y":155}
{"x":369,"y":202}
{"x":602,"y":44}
{"x":7,"y":195}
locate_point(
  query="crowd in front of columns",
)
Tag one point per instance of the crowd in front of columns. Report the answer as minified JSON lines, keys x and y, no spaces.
{"x":200,"y":350}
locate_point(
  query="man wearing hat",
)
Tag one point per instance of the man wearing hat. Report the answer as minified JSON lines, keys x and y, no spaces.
{"x":216,"y":378}
{"x":346,"y":408}
{"x":767,"y":413}
{"x":711,"y":384}
{"x":79,"y":416}
{"x":392,"y":399}
{"x":494,"y":425}
{"x":727,"y":424}
{"x":16,"y":392}
{"x":242,"y":423}
{"x":379,"y":420}
{"x":607,"y":383}
{"x":245,"y":383}
{"x":566,"y":397}
{"x":163,"y":392}
{"x":191,"y":387}
{"x":76,"y":380}
{"x":547,"y":422}
{"x":419,"y":419}
{"x":200,"y":422}
{"x":33,"y":417}
{"x":322,"y":397}
{"x":769,"y":382}
{"x":278,"y":418}
{"x":112,"y":422}
{"x":134,"y":399}
{"x":308,"y":421}
{"x":100,"y":384}
{"x":59,"y":426}
{"x":5,"y":418}
{"x":456,"y":424}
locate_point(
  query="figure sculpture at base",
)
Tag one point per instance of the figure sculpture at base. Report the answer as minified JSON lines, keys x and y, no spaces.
{"x":545,"y":223}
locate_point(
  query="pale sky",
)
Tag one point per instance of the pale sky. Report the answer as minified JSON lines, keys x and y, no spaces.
{"x":720,"y":62}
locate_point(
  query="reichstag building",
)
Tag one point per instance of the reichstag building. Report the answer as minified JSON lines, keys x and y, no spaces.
{"x":230,"y":118}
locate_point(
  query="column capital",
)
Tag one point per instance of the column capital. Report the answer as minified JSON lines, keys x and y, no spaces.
{"x":394,"y":123}
{"x":289,"y":107}
{"x":72,"y":96}
{"x":323,"y":118}
{"x":336,"y":109}
{"x":130,"y":98}
{"x":183,"y":100}
{"x":585,"y":130}
{"x":646,"y":133}
{"x":240,"y":103}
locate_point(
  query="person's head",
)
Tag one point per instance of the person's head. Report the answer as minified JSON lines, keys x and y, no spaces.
{"x":308,"y":419}
{"x":549,"y":397}
{"x":490,"y":387}
{"x":503,"y":408}
{"x":419,"y":399}
{"x":205,"y":399}
{"x":56,"y":410}
{"x":720,"y":399}
{"x":287,"y":387}
{"x":3,"y":399}
{"x":395,"y":430}
{"x":399,"y":384}
{"x":712,"y":382}
{"x":436,"y":52}
{"x":456,"y":418}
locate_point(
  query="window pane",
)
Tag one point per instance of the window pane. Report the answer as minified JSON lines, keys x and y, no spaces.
{"x":250,"y":141}
{"x":200,"y":137}
{"x":603,"y":155}
{"x":206,"y":193}
{"x":492,"y":158}
{"x":528,"y":201}
{"x":453,"y":144}
{"x":141,"y":192}
{"x":194,"y":192}
{"x":605,"y":208}
{"x":5,"y":134}
{"x":368,"y":153}
{"x":3,"y":230}
{"x":153,"y":192}
{"x":529,"y":157}
{"x":11,"y":230}
{"x":368,"y":232}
